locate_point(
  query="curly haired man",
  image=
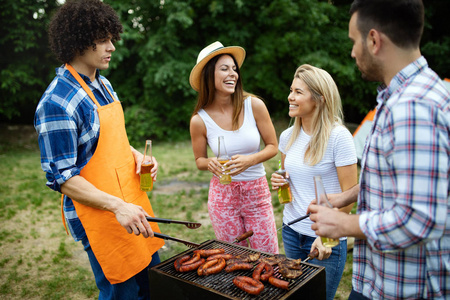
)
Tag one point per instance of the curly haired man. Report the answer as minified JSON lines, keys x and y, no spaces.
{"x":97,"y":174}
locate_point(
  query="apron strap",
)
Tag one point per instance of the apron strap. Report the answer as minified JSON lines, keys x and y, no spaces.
{"x":62,"y":214}
{"x":108,"y":90}
{"x":91,"y":95}
{"x":84,"y":85}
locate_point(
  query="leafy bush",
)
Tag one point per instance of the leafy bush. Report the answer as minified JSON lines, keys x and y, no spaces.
{"x":151,"y":65}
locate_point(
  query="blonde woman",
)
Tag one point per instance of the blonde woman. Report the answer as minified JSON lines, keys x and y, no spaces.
{"x":317,"y":144}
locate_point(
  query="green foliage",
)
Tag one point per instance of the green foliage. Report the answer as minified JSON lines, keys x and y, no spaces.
{"x":161,"y":40}
{"x":25,"y":62}
{"x":161,"y":43}
{"x":436,"y":52}
{"x":277,"y":35}
{"x":436,"y":37}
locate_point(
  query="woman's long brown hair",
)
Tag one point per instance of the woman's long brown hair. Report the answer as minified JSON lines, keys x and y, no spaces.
{"x":208,"y":89}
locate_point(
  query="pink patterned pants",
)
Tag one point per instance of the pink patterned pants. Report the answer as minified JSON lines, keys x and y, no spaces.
{"x":242,"y":206}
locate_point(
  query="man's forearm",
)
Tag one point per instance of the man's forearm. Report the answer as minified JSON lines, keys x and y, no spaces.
{"x":82,"y":191}
{"x":350,"y":227}
{"x":348,"y":197}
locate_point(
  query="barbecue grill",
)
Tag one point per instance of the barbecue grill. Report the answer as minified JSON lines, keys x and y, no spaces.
{"x":167,"y":283}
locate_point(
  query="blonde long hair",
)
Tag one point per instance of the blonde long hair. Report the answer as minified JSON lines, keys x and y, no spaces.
{"x":327,"y":114}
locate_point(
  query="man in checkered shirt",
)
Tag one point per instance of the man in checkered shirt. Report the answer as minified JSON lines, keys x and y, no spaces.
{"x":402,"y":225}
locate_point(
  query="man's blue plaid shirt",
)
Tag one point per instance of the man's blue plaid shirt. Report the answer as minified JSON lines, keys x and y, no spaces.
{"x":67,"y":122}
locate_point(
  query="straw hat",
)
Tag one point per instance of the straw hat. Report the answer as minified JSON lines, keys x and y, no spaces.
{"x":209,"y":52}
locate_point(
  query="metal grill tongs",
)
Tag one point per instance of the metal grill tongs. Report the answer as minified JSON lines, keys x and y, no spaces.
{"x":166,"y":237}
{"x":295,"y":221}
{"x":194,"y":245}
{"x":190,"y":225}
{"x":290,"y":223}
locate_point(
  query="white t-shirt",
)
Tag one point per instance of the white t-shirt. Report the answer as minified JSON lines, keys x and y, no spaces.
{"x":340,"y":152}
{"x":245,"y":141}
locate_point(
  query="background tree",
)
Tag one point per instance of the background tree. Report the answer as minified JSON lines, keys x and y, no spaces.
{"x":278,"y":35}
{"x":26,"y":64}
{"x":161,"y":41}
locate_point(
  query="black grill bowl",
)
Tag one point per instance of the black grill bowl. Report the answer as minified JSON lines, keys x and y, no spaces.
{"x":167,"y":283}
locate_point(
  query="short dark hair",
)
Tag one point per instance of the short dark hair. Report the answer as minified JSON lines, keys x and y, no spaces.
{"x":78,"y":23}
{"x":401,"y":20}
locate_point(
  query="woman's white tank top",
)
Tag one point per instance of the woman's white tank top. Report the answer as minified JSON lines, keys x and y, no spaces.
{"x":245,"y":141}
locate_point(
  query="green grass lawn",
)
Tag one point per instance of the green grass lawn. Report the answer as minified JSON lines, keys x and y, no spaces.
{"x":38,"y":260}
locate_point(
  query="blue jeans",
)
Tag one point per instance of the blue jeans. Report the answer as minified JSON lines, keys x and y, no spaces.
{"x":136,"y":287}
{"x":298,"y":246}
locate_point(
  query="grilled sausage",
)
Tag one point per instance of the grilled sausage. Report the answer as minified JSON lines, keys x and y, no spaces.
{"x":191,"y":267}
{"x":208,"y":252}
{"x":268,"y":272}
{"x":238,"y":266}
{"x":248,"y":285}
{"x":243,"y":236}
{"x":193,"y":259}
{"x":222,"y":255}
{"x":207,"y":264}
{"x":279,"y":283}
{"x":179,"y":261}
{"x":216,"y":268}
{"x":258,"y":270}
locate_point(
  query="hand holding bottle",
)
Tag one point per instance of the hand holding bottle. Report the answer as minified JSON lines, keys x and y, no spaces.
{"x":146,"y":168}
{"x":277,"y":180}
{"x":222,"y":158}
{"x":284,"y":191}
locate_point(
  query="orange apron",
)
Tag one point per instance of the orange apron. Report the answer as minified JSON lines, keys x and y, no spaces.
{"x":112,"y":169}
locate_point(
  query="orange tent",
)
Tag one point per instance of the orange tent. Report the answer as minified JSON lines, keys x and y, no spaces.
{"x":447,"y":83}
{"x":360,"y":134}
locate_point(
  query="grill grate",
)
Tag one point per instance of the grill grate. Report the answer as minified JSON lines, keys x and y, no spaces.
{"x":193,"y":286}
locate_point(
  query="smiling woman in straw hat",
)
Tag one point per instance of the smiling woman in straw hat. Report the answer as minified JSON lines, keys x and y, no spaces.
{"x":223,"y":109}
